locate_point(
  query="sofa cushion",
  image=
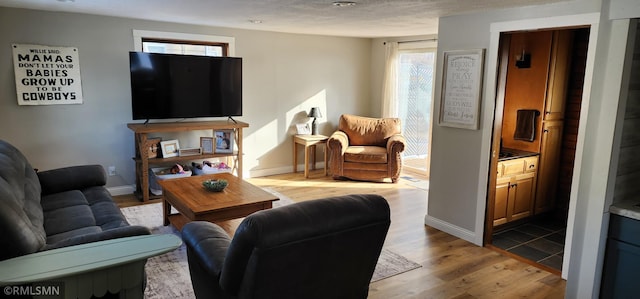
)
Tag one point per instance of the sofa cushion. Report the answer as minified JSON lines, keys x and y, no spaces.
{"x":106,"y":212}
{"x":366,"y":154}
{"x":21,"y":216}
{"x":77,"y":177}
{"x":365,"y":168}
{"x":66,"y":211}
{"x":80,"y":231}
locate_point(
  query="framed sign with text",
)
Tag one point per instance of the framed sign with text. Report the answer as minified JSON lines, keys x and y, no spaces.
{"x":461,"y":89}
{"x":47,"y":75}
{"x":206,"y":143}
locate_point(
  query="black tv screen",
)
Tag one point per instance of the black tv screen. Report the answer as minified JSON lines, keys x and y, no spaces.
{"x":184,"y":86}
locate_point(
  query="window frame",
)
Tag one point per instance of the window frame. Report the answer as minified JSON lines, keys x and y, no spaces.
{"x":223,"y":46}
{"x":183,"y":38}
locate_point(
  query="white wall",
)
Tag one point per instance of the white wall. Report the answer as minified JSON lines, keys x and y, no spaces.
{"x":284,"y":75}
{"x":460,"y":158}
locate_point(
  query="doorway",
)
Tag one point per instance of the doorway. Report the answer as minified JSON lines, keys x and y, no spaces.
{"x":527,"y":212}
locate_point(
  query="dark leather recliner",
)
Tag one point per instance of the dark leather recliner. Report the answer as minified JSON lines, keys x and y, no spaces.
{"x":325,"y":248}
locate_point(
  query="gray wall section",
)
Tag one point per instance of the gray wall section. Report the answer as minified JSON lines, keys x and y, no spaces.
{"x":283,"y":74}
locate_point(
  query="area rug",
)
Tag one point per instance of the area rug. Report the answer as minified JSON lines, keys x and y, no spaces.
{"x":168,"y":274}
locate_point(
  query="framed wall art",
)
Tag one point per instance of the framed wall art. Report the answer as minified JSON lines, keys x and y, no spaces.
{"x":461,"y":89}
{"x":170,"y":148}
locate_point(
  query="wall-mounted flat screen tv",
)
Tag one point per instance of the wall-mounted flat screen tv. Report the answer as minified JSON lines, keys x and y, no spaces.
{"x":184,"y":86}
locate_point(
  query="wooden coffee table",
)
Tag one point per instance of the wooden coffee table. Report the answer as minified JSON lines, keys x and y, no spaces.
{"x":194,"y":202}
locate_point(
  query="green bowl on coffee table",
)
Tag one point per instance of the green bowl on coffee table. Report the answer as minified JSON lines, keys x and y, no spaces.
{"x":215,"y":185}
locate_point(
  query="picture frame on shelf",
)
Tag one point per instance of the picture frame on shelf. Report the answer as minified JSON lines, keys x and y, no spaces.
{"x":207,"y":145}
{"x":303,"y":129}
{"x":170,"y":148}
{"x":225,"y":140}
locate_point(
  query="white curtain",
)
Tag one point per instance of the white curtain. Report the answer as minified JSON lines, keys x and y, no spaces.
{"x":389,"y":83}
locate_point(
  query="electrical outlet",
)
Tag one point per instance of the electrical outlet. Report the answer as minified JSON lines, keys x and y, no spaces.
{"x":112,"y":170}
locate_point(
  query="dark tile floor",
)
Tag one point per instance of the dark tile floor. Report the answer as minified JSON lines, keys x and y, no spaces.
{"x":540,"y":240}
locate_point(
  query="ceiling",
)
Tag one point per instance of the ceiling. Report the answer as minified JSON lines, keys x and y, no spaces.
{"x":368,"y":18}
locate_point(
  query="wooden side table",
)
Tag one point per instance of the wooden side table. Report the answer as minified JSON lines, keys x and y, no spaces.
{"x":309,"y":142}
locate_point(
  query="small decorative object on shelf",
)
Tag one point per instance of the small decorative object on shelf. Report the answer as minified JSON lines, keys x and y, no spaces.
{"x":215,"y":185}
{"x":174,"y":172}
{"x":303,"y":129}
{"x":175,"y":169}
{"x":209,"y":167}
{"x":190,"y":151}
{"x":153,"y":146}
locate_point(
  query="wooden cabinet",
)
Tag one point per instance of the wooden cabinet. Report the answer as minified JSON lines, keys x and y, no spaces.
{"x":502,"y":197}
{"x":549,"y":166}
{"x":515,"y":189}
{"x":559,"y":69}
{"x":143,"y":162}
{"x":622,"y":259}
{"x":552,"y":121}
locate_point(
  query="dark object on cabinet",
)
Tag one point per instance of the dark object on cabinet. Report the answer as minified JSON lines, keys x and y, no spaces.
{"x":526,"y":125}
{"x":622,"y":259}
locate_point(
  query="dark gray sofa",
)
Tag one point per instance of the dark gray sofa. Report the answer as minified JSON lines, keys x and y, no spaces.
{"x":55,"y":208}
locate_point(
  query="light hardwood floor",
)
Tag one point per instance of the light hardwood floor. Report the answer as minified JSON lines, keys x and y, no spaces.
{"x":451,"y":267}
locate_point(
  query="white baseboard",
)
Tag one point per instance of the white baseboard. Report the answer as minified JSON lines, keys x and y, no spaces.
{"x":121,"y":190}
{"x":280,"y":170}
{"x":451,"y":229}
{"x":269,"y":171}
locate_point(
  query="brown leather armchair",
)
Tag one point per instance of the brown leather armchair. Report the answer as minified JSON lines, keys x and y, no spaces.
{"x":366,"y":148}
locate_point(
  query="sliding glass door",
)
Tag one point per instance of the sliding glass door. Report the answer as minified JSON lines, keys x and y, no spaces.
{"x":415,"y":74}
